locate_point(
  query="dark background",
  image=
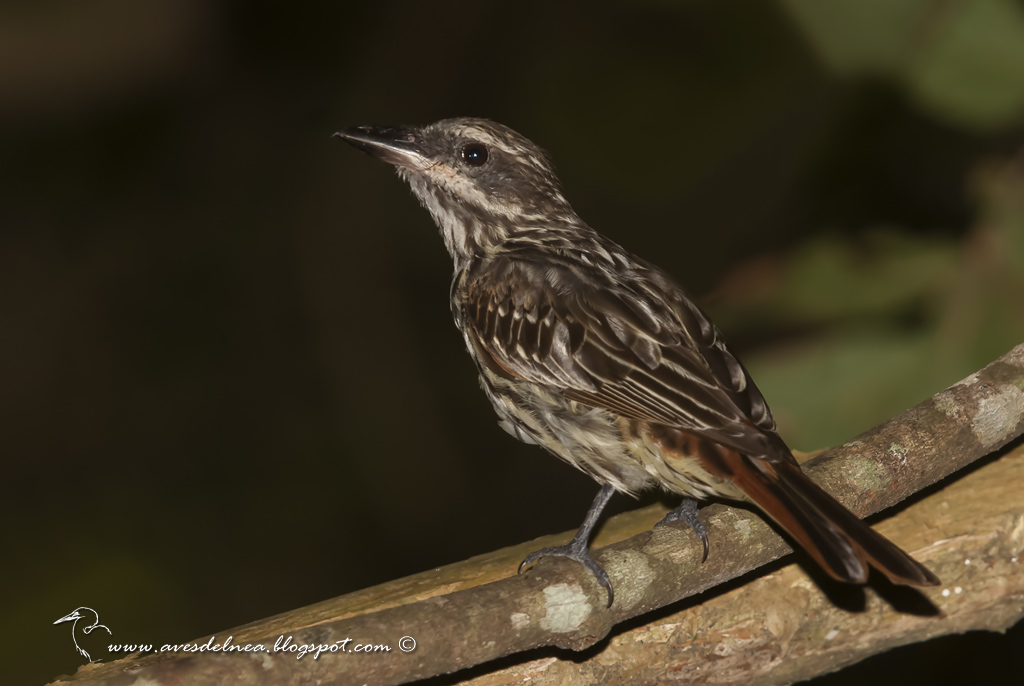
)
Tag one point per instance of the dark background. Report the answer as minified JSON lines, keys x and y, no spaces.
{"x":229,"y":382}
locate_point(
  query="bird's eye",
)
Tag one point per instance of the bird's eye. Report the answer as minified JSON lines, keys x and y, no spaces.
{"x":474,"y":154}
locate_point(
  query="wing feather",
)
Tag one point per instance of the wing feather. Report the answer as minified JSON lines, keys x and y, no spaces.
{"x":639,"y":349}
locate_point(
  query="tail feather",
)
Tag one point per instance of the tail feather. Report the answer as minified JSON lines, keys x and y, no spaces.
{"x":836,"y":538}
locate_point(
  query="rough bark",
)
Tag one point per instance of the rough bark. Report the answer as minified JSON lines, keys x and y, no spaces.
{"x":476,"y":611}
{"x":784,"y":626}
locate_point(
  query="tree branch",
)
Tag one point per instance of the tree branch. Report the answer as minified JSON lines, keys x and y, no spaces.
{"x":785,"y":627}
{"x":478,"y":610}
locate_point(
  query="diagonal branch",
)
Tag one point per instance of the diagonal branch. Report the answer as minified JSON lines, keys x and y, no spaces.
{"x":477,"y":610}
{"x":783,"y":627}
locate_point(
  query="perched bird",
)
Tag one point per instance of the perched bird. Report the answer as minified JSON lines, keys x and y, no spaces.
{"x":83,"y":613}
{"x":599,"y":357}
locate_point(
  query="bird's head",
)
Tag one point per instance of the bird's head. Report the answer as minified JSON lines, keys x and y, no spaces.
{"x":480,"y":180}
{"x":77,"y":614}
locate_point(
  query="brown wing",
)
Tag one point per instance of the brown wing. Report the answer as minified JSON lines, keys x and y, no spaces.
{"x":638,"y":348}
{"x":642,"y":350}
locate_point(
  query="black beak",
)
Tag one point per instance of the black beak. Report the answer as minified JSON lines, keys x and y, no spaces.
{"x":397,"y":145}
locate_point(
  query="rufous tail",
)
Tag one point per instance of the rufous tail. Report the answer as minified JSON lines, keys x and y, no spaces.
{"x":836,"y":538}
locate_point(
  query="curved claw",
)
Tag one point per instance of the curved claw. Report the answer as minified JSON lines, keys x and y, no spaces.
{"x":580,"y":554}
{"x":703,"y":536}
{"x":687,"y":513}
{"x":533,"y":557}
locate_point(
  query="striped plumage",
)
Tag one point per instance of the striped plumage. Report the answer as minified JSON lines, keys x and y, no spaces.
{"x":599,"y":357}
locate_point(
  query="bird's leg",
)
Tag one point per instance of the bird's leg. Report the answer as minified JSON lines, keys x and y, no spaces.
{"x":577,"y":548}
{"x":687,"y":512}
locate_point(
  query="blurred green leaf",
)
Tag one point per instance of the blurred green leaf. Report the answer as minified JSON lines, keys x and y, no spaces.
{"x":824,"y":392}
{"x":830,"y":279}
{"x":962,"y":61}
{"x":895,"y":319}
